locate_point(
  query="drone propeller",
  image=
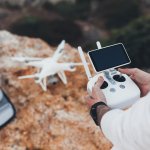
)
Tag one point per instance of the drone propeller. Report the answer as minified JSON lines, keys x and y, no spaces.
{"x":59,"y":50}
{"x":20,"y":59}
{"x":28,"y":76}
{"x":26,"y":59}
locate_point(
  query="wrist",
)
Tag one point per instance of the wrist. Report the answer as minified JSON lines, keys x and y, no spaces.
{"x":101,"y":111}
{"x":96,"y":113}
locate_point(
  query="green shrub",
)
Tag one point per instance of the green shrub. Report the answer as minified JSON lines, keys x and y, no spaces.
{"x":50,"y":31}
{"x":78,"y":10}
{"x":136,"y":38}
{"x":118,"y":13}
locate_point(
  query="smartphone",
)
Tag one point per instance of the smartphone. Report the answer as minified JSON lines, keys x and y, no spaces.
{"x":108,"y":57}
{"x":7,"y":110}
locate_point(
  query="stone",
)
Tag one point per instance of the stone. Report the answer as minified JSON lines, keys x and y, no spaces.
{"x":54,"y":120}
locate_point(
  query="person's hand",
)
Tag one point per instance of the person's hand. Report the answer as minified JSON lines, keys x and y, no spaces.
{"x":97,"y":94}
{"x":141,"y":78}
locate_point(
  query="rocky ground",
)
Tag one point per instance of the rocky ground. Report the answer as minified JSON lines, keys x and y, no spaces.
{"x":54,"y":120}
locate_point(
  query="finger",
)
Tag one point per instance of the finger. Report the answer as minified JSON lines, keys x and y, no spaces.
{"x":96,"y":88}
{"x":128,"y":71}
{"x":90,"y":103}
{"x":88,"y":97}
{"x":97,"y":85}
{"x":99,"y":82}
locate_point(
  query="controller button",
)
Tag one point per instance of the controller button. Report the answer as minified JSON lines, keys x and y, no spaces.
{"x":104,"y":85}
{"x":122,"y":86}
{"x":119,"y":78}
{"x":113,"y":73}
{"x":112,"y":90}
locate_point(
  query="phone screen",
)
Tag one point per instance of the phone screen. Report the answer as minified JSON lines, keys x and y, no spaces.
{"x":109,"y":57}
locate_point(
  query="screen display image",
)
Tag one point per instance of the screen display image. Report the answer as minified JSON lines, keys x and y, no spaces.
{"x":109,"y":57}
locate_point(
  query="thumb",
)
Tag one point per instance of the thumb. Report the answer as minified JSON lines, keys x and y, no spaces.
{"x":99,"y":82}
{"x":128,"y":71}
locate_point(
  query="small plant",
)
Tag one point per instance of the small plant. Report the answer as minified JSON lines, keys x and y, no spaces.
{"x":78,"y":10}
{"x":136,"y":38}
{"x":50,"y":31}
{"x":118,"y":13}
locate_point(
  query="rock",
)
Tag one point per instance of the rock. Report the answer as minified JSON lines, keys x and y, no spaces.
{"x":13,"y":3}
{"x":58,"y":1}
{"x":7,"y":38}
{"x":54,"y":120}
{"x":22,"y":3}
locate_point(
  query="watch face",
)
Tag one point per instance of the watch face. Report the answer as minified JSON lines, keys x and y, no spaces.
{"x":7,"y":110}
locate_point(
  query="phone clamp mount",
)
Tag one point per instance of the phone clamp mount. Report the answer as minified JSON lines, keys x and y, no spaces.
{"x":7,"y":110}
{"x":120,"y":91}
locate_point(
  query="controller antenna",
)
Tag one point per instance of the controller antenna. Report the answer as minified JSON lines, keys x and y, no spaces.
{"x":98,"y":45}
{"x":84,"y":63}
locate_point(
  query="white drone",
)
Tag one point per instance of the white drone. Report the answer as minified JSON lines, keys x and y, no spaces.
{"x":48,"y":67}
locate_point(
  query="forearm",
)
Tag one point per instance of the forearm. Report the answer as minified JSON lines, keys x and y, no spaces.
{"x":117,"y":125}
{"x":101,"y":110}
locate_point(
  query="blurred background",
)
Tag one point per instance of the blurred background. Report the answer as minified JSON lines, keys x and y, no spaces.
{"x":83,"y":22}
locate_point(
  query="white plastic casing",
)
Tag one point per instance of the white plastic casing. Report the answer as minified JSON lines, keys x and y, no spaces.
{"x":118,"y":94}
{"x":118,"y":97}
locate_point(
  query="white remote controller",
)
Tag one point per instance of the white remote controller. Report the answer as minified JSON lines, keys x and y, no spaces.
{"x":120,"y":91}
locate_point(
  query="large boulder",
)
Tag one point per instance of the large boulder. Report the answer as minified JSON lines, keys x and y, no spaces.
{"x":54,"y":120}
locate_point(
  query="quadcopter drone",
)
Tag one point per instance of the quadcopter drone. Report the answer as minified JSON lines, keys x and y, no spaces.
{"x":48,"y":67}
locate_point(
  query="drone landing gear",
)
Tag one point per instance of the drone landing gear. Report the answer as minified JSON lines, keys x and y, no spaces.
{"x":62,"y":76}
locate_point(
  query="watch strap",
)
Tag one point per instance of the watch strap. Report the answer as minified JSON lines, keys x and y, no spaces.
{"x":93,"y":111}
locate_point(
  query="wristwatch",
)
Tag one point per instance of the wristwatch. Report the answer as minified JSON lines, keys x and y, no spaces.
{"x":93,"y":111}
